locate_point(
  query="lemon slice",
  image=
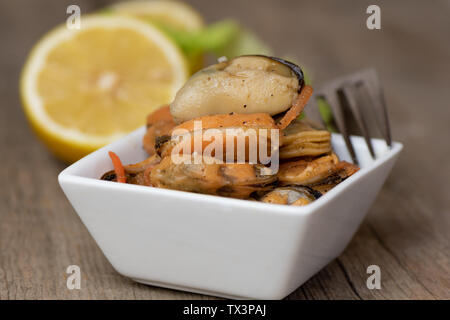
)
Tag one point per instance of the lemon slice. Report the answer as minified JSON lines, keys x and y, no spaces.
{"x":168,"y":15}
{"x":82,"y":89}
{"x":177,"y":15}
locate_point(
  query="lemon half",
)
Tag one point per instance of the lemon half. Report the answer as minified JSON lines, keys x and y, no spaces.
{"x":175,"y":14}
{"x":83,"y":88}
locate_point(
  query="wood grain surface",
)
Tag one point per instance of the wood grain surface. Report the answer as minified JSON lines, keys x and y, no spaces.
{"x":407,"y":231}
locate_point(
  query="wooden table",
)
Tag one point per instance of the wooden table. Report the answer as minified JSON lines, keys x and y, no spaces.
{"x":407,"y":232}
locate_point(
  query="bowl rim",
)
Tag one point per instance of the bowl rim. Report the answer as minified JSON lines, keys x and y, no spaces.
{"x":67,"y":176}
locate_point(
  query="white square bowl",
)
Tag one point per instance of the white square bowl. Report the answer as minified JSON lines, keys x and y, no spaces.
{"x":219,"y":246}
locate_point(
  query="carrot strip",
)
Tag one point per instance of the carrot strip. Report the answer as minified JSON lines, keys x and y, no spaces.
{"x":118,"y":167}
{"x":296,"y":108}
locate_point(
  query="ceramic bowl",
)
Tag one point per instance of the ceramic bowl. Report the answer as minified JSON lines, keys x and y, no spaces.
{"x":214,"y":245}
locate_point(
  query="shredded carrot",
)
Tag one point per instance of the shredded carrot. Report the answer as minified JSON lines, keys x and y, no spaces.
{"x":118,"y":167}
{"x":296,"y":108}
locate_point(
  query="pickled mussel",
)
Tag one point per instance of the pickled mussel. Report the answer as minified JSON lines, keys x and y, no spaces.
{"x":209,"y":177}
{"x":159,"y":123}
{"x":229,"y":128}
{"x":254,"y":98}
{"x":300,"y":139}
{"x":320,"y":173}
{"x":245,"y":84}
{"x":291,"y":195}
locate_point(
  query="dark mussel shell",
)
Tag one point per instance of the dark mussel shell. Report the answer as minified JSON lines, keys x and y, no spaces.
{"x":295,"y":68}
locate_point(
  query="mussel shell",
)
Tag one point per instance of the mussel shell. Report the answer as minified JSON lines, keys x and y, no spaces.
{"x":295,"y":68}
{"x":160,"y":141}
{"x":109,"y":176}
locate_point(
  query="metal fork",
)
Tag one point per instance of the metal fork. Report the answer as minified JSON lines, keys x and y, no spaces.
{"x":361,"y":94}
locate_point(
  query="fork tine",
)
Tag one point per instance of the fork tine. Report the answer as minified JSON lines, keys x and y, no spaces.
{"x":372,"y":90}
{"x":363,"y":94}
{"x":380,"y":105}
{"x":333,"y":100}
{"x":354,"y":102}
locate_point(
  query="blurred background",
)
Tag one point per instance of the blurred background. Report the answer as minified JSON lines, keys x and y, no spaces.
{"x":407,"y":231}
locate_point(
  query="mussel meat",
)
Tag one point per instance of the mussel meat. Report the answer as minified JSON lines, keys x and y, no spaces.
{"x":245,"y":84}
{"x":291,"y":195}
{"x":207,"y":176}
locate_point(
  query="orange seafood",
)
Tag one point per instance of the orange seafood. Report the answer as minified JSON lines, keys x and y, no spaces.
{"x":209,"y":177}
{"x":252,"y":130}
{"x":134,"y":173}
{"x":219,"y":135}
{"x":159,"y":123}
{"x":291,"y":195}
{"x":300,"y":139}
{"x":320,"y":173}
